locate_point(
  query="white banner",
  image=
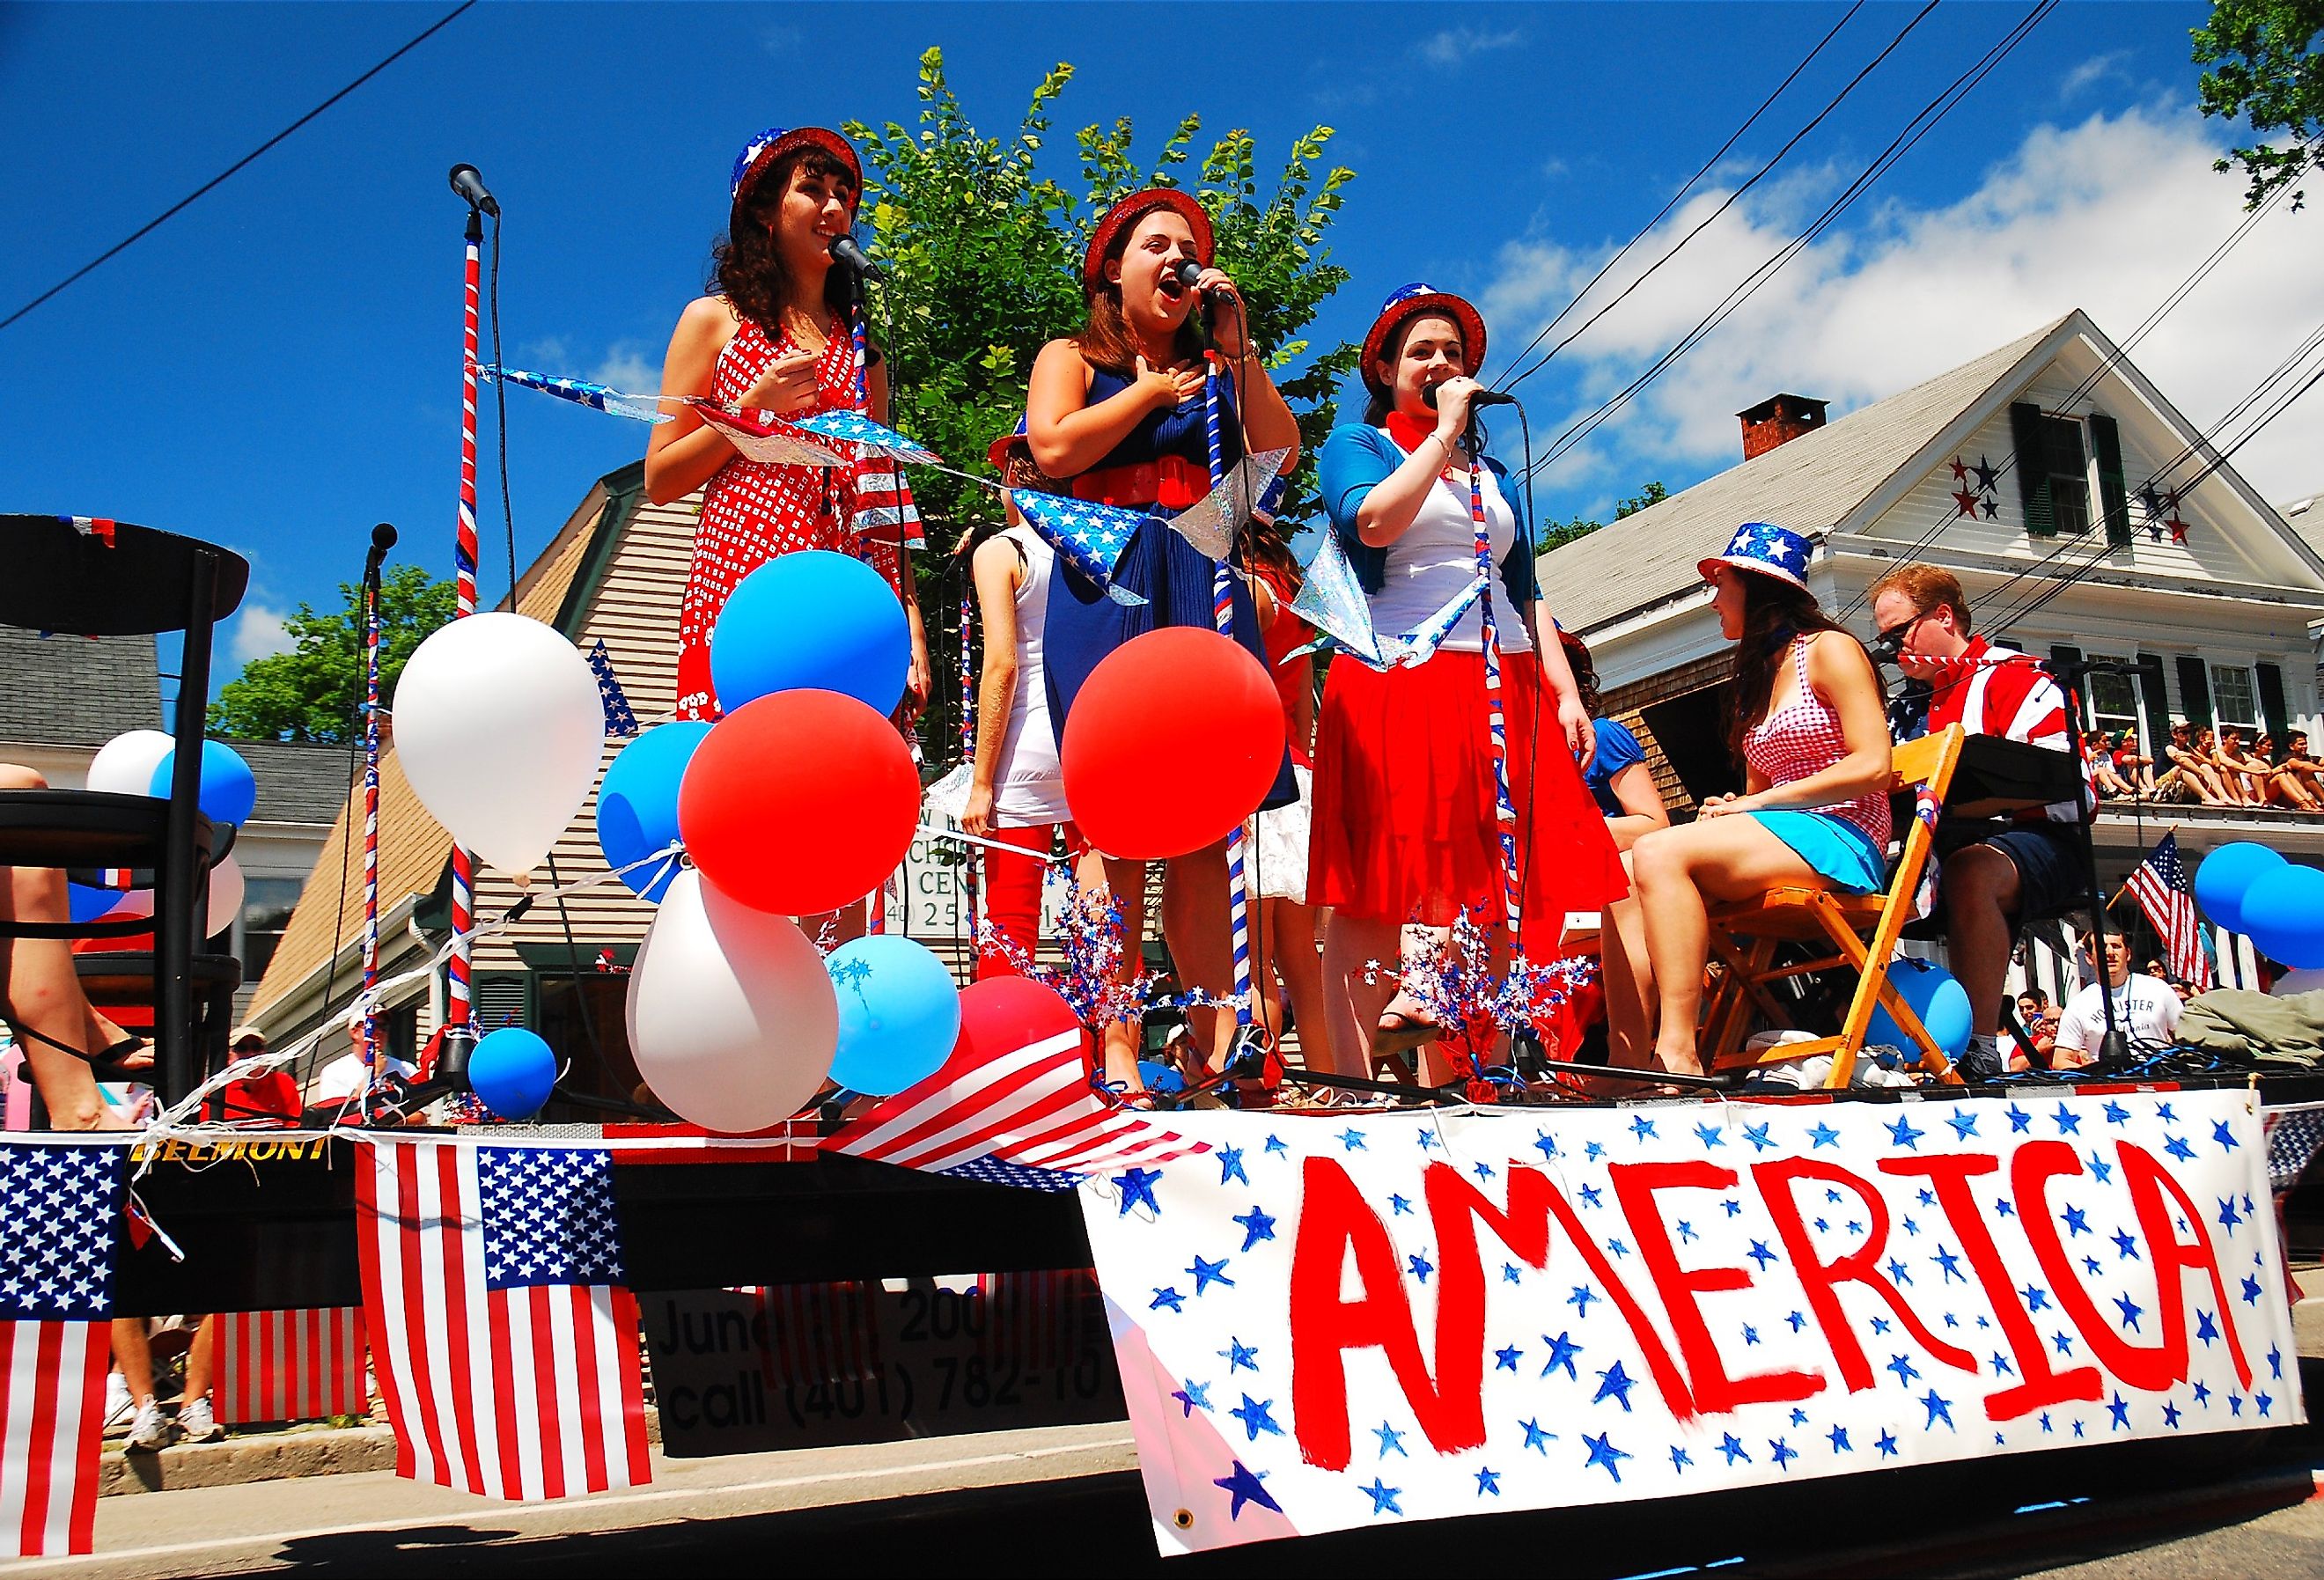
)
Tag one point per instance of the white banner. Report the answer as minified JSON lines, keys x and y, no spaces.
{"x":1329,"y":1322}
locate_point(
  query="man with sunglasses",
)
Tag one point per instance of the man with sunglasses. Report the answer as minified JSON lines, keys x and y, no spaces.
{"x":1992,"y":875}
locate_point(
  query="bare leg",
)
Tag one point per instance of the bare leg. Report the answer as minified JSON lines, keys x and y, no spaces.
{"x":42,"y":991}
{"x":1195,"y":924}
{"x":133,"y":1356}
{"x":1677,"y":871}
{"x":1629,"y":978}
{"x":1352,"y":946}
{"x":1127,"y":881}
{"x":1291,"y":951}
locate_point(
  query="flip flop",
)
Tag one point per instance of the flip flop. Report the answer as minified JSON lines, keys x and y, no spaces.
{"x":112,"y":1064}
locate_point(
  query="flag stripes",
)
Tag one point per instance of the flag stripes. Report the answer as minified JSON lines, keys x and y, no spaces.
{"x":290,"y":1365}
{"x":51,"y":1411}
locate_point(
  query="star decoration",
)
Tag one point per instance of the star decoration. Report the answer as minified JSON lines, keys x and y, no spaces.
{"x":1256,"y":1226}
{"x":1256,"y":1417}
{"x":1238,"y":1356}
{"x":1887,"y":1445}
{"x":1488,"y":1480}
{"x":1383,"y":1497}
{"x":1243,"y":1487}
{"x":1535,"y":1438}
{"x":1602,"y":1451}
{"x":1561,"y":1351}
{"x":1206,"y":1273}
{"x":1166,"y":1299}
{"x":1783,"y":1452}
{"x":1822,"y":1135}
{"x":1939,"y":1409}
{"x":1390,"y":1438}
{"x":1904,"y":1134}
{"x":1505,"y":1359}
{"x":1230,"y":1167}
{"x":1194,"y":1396}
{"x":1137,"y":1187}
{"x":1733,"y":1449}
{"x":1615,"y":1383}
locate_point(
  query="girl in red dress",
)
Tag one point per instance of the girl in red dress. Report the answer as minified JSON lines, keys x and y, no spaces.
{"x":776,"y":336}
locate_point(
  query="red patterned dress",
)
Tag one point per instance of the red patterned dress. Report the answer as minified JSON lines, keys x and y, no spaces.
{"x":752,"y":511}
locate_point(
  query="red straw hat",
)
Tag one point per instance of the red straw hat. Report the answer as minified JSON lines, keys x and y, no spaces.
{"x":1124,"y":214}
{"x":1409,"y":301}
{"x":772,"y":144}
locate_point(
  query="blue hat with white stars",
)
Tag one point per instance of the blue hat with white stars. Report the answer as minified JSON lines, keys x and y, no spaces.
{"x":1766,"y":548}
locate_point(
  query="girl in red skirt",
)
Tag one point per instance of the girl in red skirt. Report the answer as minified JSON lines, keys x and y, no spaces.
{"x":777,"y":336}
{"x":1406,"y":827}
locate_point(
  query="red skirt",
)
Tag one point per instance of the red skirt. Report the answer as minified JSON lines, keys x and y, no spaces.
{"x":1403,"y":826}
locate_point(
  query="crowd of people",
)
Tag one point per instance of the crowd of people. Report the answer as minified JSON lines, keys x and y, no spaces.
{"x":2208,"y":767}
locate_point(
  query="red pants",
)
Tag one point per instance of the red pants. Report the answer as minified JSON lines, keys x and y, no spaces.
{"x":1012,"y":893}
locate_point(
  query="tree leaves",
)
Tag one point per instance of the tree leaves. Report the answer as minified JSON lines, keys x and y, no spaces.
{"x":2267,"y":72}
{"x":315,"y":691}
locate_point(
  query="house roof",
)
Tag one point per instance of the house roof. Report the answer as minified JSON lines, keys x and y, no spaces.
{"x":299,"y":781}
{"x":75,"y":690}
{"x":413,"y":847}
{"x":1810,"y":484}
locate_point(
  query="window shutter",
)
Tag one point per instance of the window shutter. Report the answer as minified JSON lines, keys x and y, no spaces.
{"x":2075,"y":686}
{"x":2105,"y":438}
{"x":2033,"y":469}
{"x":2155,"y":695}
{"x":2194,"y":691}
{"x":503,"y":998}
{"x":2272,"y":712}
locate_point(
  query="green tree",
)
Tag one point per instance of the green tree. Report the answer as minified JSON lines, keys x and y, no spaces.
{"x":1557,"y":534}
{"x":2266,"y":69}
{"x":315,"y":691}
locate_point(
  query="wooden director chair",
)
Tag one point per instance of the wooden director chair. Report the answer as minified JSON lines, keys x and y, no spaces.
{"x":1860,"y":930}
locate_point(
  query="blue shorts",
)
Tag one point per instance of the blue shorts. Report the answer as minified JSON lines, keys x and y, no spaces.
{"x":2048,"y":858}
{"x":1833,"y":847}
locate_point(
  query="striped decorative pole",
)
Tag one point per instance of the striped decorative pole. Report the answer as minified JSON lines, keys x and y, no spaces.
{"x":1222,"y":615}
{"x":968,"y":884}
{"x":371,"y":818}
{"x":1504,"y":808}
{"x":459,"y":997}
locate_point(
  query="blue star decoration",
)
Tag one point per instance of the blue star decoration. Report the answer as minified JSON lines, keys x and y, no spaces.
{"x":1949,"y":1262}
{"x":2069,"y":1122}
{"x":1641,"y":1126}
{"x":1903,"y":1366}
{"x":2170,"y":1416}
{"x":1256,"y":1416}
{"x":1886,"y":1444}
{"x":1383,"y":1497}
{"x":1420,"y":1266}
{"x":1427,"y":1139}
{"x":1169,"y":1299}
{"x":1275,"y":1146}
{"x":2223,"y":1136}
{"x":1483,"y":1171}
{"x":2115,"y":1113}
{"x":1399,"y":1205}
{"x":1238,"y":1356}
{"x":1615,"y":1383}
{"x":1505,"y":1359}
{"x":1243,"y":1487}
{"x":2177,"y":1148}
{"x":1602,"y":1451}
{"x":2019,"y":1119}
{"x":1561,"y":1351}
{"x":1207,"y":1273}
{"x":1939,"y":1409}
{"x":1581,"y":1298}
{"x":1137,"y":1187}
{"x":1761,"y":1254}
{"x":1194,"y":1396}
{"x":2207,"y":1327}
{"x":1679,"y":1460}
{"x":2075,"y":1220}
{"x":2120,"y":1412}
{"x":1511,"y":1274}
{"x":1756,"y":1134}
{"x":2229,"y":1219}
{"x":1488,"y":1480}
{"x":1822,"y":1135}
{"x":1904,"y":1134}
{"x":2102,"y":1169}
{"x":1352,"y":1139}
{"x":1546,"y":1142}
{"x":1710,"y":1136}
{"x":2125,"y":1247}
{"x":1839,"y":1444}
{"x":1964,"y":1124}
{"x":1535,"y":1438}
{"x":2130,"y":1312}
{"x":1783,"y":1452}
{"x":1390,"y":1438}
{"x":1230,"y":1167}
{"x":1256,"y":1226}
{"x":1591,"y":1196}
{"x":1733,"y":1449}
{"x":2251,"y":1291}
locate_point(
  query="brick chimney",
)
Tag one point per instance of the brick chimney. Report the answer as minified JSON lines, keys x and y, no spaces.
{"x":1779,"y":419}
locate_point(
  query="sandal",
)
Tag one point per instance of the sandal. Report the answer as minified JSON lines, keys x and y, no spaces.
{"x":118,"y":1062}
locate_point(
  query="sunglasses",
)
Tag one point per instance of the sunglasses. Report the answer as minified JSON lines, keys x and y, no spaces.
{"x":1895,"y":635}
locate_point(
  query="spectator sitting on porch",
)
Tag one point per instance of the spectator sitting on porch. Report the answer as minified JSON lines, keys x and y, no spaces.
{"x":1992,"y":876}
{"x":2251,"y":769}
{"x":2145,"y":1009}
{"x":2303,"y":770}
{"x":2103,"y":772}
{"x":2135,"y":767}
{"x":2190,"y":776}
{"x":347,"y":1076}
{"x":2284,"y":786}
{"x":2224,"y":771}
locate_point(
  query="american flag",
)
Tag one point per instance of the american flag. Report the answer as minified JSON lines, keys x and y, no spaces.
{"x":2160,"y":887}
{"x":1032,"y":1106}
{"x":62,"y":1204}
{"x":494,"y":1291}
{"x":290,"y":1365}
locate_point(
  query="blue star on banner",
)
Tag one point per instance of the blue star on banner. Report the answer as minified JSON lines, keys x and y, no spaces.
{"x":1383,"y":1497}
{"x":1256,"y":1226}
{"x":1137,"y":1189}
{"x":548,"y":1217}
{"x":62,"y":1206}
{"x":1243,"y":1487}
{"x":1561,"y":1351}
{"x":620,"y":718}
{"x":854,"y":427}
{"x":1206,"y":1273}
{"x":1230,"y":1167}
{"x":1090,"y":536}
{"x":1602,"y":1451}
{"x":1256,"y":1416}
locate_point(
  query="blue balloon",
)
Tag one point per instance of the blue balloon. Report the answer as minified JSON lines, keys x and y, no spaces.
{"x":1940,"y":1000}
{"x":2226,"y":874}
{"x":85,"y":903}
{"x":637,"y":807}
{"x":228,"y":788}
{"x":812,"y":620}
{"x":2283,"y":912}
{"x":512,"y":1071}
{"x":899,"y":1013}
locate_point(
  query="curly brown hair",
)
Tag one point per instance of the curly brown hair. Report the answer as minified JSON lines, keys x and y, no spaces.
{"x":1105,"y":342}
{"x":747,"y":268}
{"x":1774,"y":615}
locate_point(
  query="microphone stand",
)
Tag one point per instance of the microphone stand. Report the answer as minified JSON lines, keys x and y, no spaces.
{"x":383,"y":538}
{"x":2114,"y":1047}
{"x":458,"y":997}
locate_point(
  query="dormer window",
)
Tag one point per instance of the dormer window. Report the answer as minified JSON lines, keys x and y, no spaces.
{"x":2069,"y":471}
{"x":2062,"y":462}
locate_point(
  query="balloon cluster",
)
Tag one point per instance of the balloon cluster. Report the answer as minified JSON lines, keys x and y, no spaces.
{"x":2249,"y":888}
{"x":143,"y":763}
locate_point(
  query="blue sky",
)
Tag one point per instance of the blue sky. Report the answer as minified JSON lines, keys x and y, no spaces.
{"x":277,"y":367}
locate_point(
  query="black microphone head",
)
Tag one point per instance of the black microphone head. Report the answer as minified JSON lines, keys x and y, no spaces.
{"x":469,"y":185}
{"x":1428,"y":396}
{"x":383,"y":538}
{"x":843,"y":248}
{"x":1186,"y":272}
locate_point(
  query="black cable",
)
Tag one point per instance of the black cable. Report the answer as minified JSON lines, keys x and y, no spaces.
{"x":1757,"y":177}
{"x":1686,"y":186}
{"x":1922,"y":121}
{"x":174,"y":209}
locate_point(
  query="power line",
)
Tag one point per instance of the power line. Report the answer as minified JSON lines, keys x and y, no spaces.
{"x":1919,"y":126}
{"x":1686,"y":186}
{"x":173,"y":209}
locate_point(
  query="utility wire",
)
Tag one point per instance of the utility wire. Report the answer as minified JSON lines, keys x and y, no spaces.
{"x":155,"y":223}
{"x":1687,"y":185}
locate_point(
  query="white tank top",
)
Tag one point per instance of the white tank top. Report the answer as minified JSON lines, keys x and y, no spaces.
{"x":1029,"y":790}
{"x":1436,"y":556}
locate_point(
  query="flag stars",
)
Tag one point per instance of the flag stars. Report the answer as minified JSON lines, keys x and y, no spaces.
{"x":2223,"y":1136}
{"x":1839,"y":1439}
{"x":2170,"y":1416}
{"x":1939,"y":1409}
{"x":1710,"y":1136}
{"x":1136,"y":1190}
{"x":1256,"y":1227}
{"x":1256,"y":1416}
{"x":1896,"y":1271}
{"x":1903,"y":1366}
{"x":1758,"y":1136}
{"x":1482,"y":1170}
{"x":1561,"y":1351}
{"x":2125,"y":1245}
{"x":2063,"y":1343}
{"x":1949,"y":1261}
{"x":2100,"y":1169}
{"x":1511,"y":1273}
{"x":1194,"y":1396}
{"x":1680,"y":1460}
{"x":1419,"y":1266}
{"x":1546,"y":1143}
{"x":1243,"y":1487}
{"x":1390,"y":1439}
{"x":1619,"y":1247}
{"x":1614,"y":1383}
{"x":1734,"y":1450}
{"x":1603,"y":1453}
{"x":2207,"y":1329}
{"x":1783,"y":1453}
{"x":1384,"y":1497}
{"x":1761,"y":1254}
{"x":1641,"y":1126}
{"x":2177,"y":1148}
{"x":1581,"y":1298}
{"x":2119,"y":1410}
{"x":1964,"y":1124}
{"x":1886,"y":1444}
{"x":1206,"y":1273}
{"x":2229,"y":1219}
{"x":1239,"y":1355}
{"x":2130,"y":1312}
{"x":1535,"y":1438}
{"x":1230,"y":1167}
{"x":1798,"y":1319}
{"x":1276,"y":1147}
{"x":1686,"y":1230}
{"x":2069,"y":1122}
{"x":1351,"y":1140}
{"x":2115,"y":1113}
{"x":2275,"y":1361}
{"x":1489,"y":1482}
{"x":2019,"y":1119}
{"x":1591,"y":1196}
{"x":1734,"y":1208}
{"x":2075,"y":1220}
{"x":1822,"y":1135}
{"x":1427,"y":1138}
{"x":2250,"y":1290}
{"x":1399,"y":1207}
{"x":1905,"y":1134}
{"x":1166,"y":1299}
{"x":1750,"y":1334}
{"x":1505,"y":1359}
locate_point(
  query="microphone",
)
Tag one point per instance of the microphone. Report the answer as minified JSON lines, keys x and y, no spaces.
{"x":1480,"y":398}
{"x":383,"y":538}
{"x":845,"y":250}
{"x":1189,"y":273}
{"x":469,"y":185}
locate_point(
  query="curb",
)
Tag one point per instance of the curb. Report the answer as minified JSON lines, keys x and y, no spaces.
{"x":264,"y":1456}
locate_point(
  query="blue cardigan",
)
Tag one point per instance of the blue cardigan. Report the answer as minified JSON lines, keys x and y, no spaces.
{"x":1357,"y":458}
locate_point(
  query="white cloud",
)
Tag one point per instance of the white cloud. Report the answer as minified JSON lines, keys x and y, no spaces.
{"x":2092,"y":71}
{"x":627,"y":367}
{"x":1456,"y":44}
{"x":2108,"y":215}
{"x":258,"y":632}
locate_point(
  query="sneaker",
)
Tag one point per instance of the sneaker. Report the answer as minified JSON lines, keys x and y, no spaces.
{"x":149,"y":1432}
{"x":197,"y":1424}
{"x":118,"y":1406}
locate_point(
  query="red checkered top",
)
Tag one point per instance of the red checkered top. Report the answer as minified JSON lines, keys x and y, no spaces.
{"x":1803,"y":737}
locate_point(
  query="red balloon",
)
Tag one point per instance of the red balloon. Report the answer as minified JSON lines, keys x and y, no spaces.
{"x":1173,"y":741}
{"x":799,"y":802}
{"x":1002,"y":1015}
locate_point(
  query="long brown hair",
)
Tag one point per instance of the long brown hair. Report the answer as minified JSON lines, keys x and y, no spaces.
{"x":747,"y":268}
{"x":1774,"y":615}
{"x":1105,"y":341}
{"x":1379,"y":401}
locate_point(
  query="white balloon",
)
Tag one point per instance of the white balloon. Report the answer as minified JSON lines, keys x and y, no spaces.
{"x":125,"y":765}
{"x":225,"y":896}
{"x":733,"y":1017}
{"x":499,"y":727}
